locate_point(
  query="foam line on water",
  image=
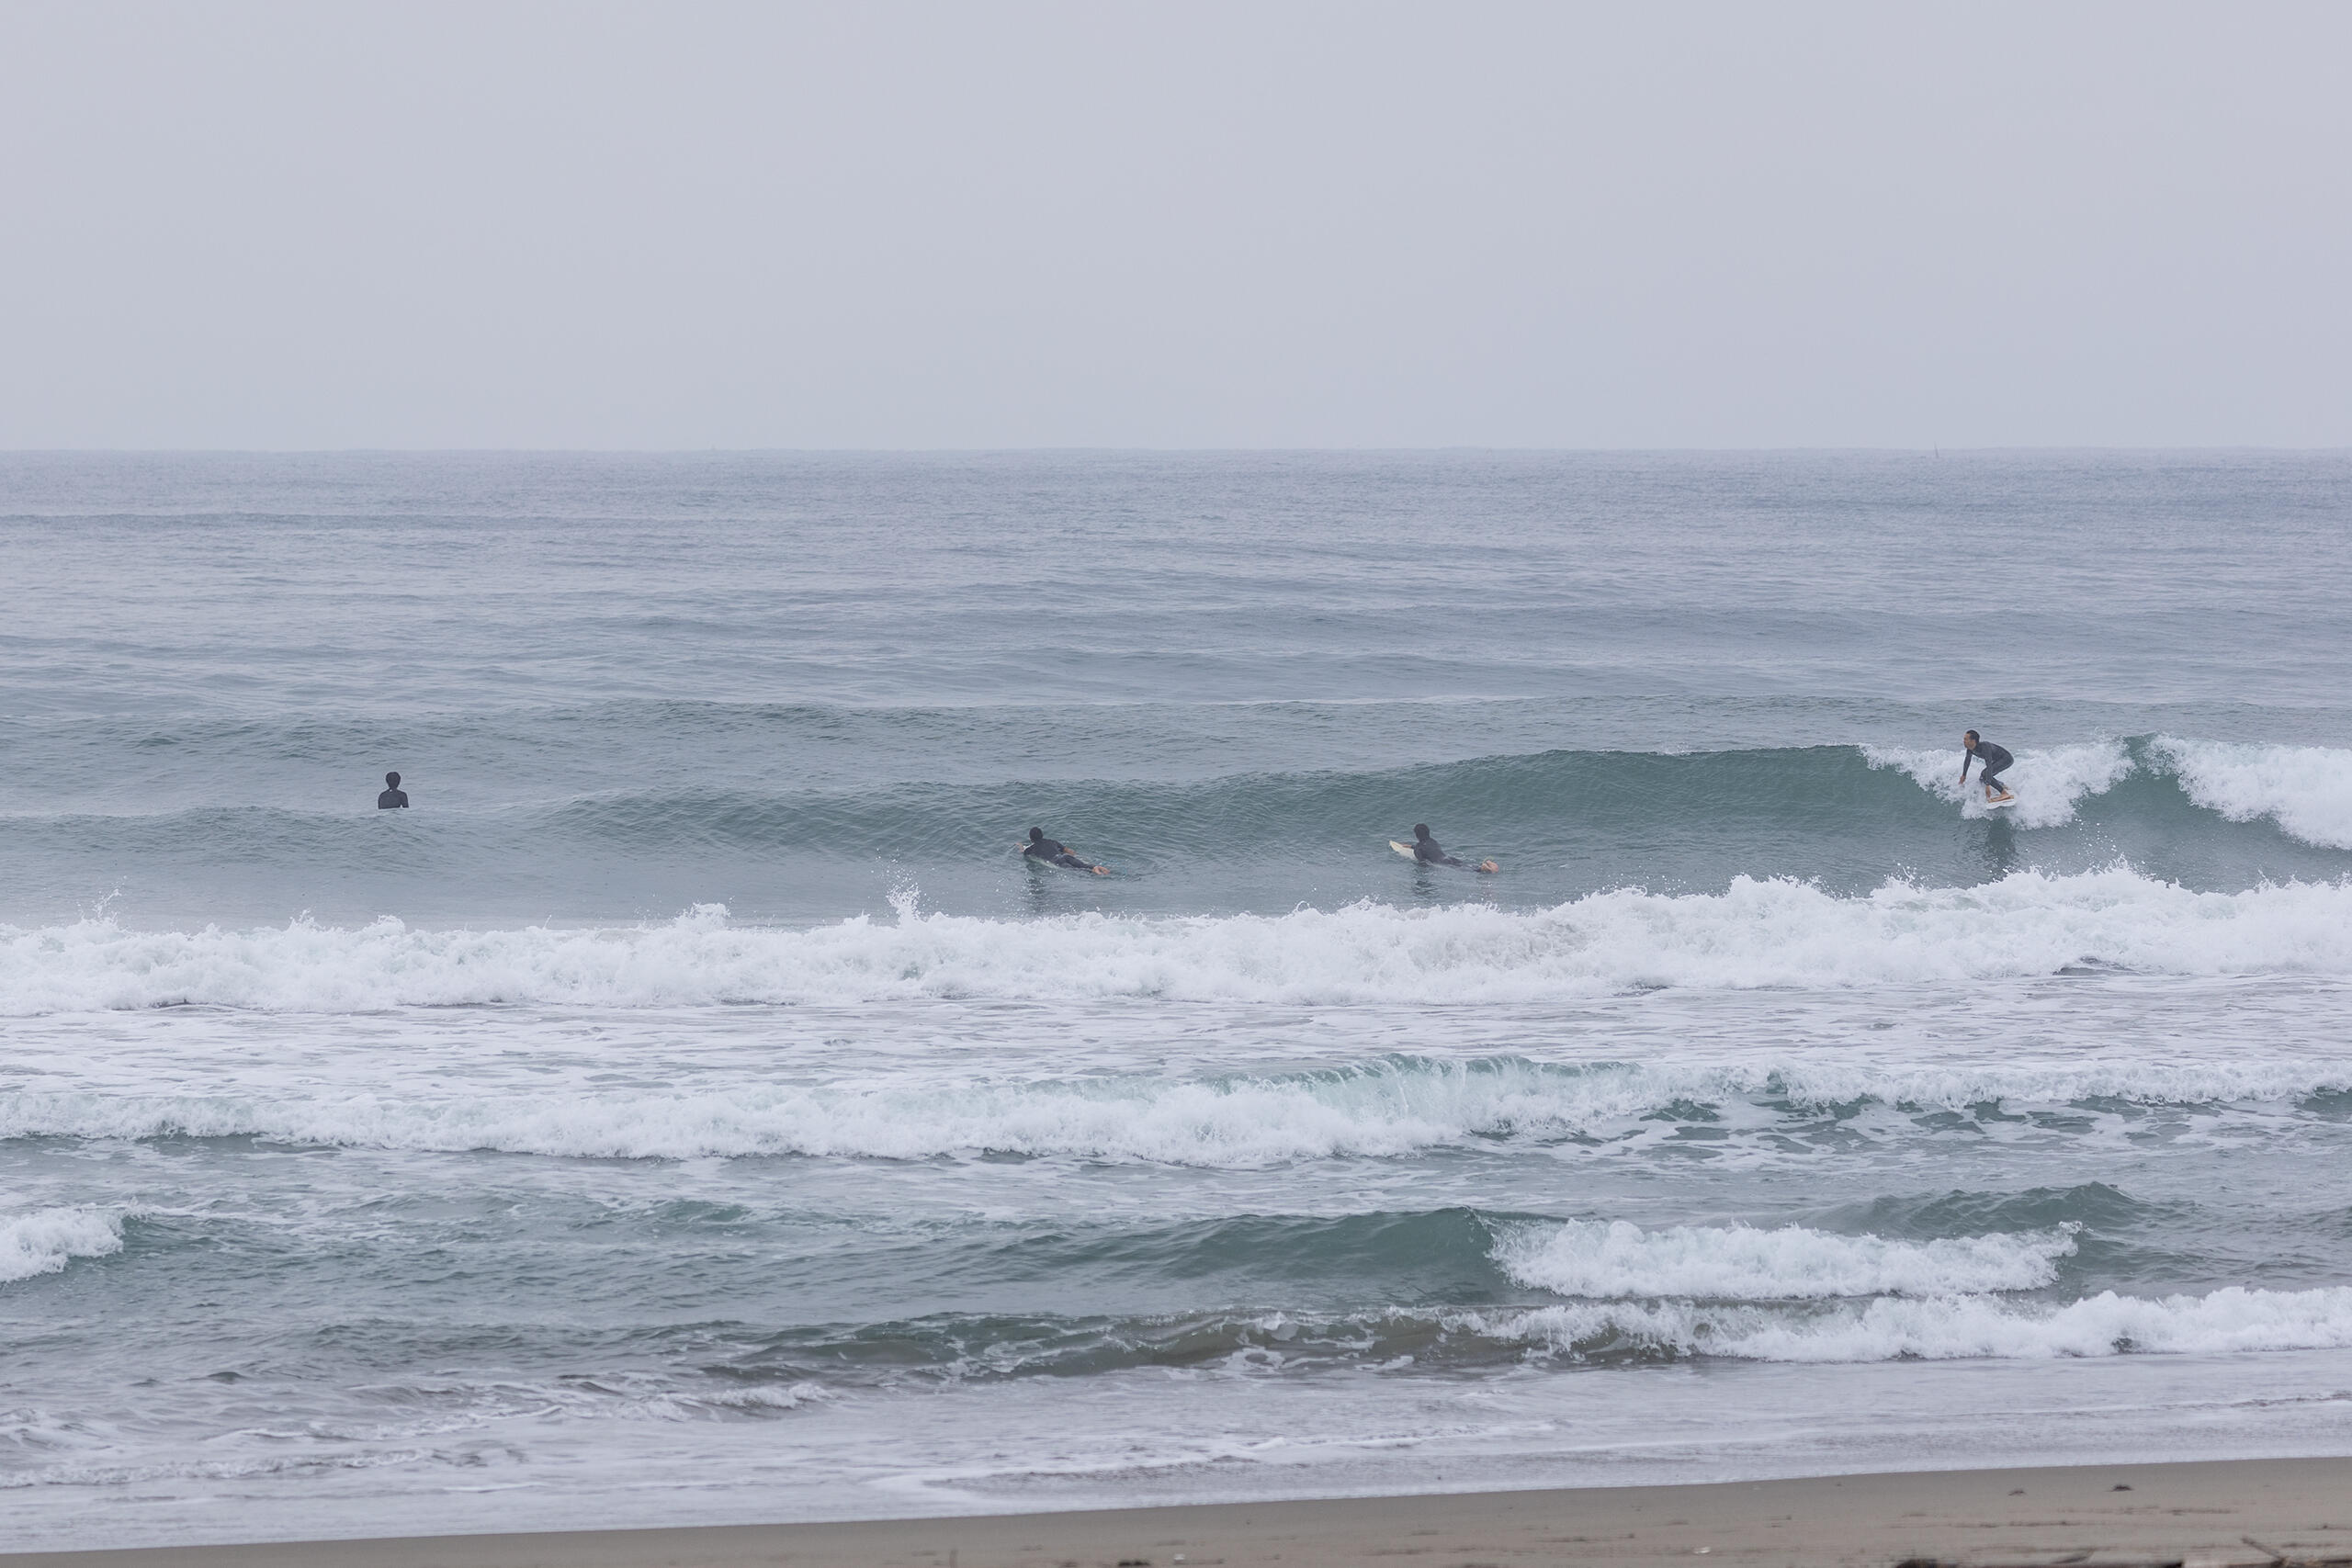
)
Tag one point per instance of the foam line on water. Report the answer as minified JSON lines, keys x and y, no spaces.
{"x":1384,"y":1108}
{"x":45,"y":1240}
{"x":1756,"y":934}
{"x":1605,"y":1259}
{"x":1945,"y":1327}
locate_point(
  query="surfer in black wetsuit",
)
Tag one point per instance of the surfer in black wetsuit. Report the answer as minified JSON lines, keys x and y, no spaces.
{"x":1995,"y":759}
{"x":1425,"y":849}
{"x":1054,"y":853}
{"x":1427,"y":852}
{"x":394,"y":795}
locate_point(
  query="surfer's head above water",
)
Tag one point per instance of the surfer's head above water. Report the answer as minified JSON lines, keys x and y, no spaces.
{"x":1420,"y":829}
{"x":1036,"y":835}
{"x":1971,"y":738}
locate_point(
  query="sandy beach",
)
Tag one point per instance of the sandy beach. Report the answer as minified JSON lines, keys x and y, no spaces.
{"x":2234,"y":1512}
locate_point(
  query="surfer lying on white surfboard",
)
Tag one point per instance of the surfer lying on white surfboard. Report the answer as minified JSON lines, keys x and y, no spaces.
{"x":1424,"y":851}
{"x":1995,"y":759}
{"x":1052,"y":851}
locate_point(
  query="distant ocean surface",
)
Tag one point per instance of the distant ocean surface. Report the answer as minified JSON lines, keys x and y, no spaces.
{"x":693,"y":1110}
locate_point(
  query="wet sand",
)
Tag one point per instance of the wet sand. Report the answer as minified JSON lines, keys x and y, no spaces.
{"x":2095,"y":1515}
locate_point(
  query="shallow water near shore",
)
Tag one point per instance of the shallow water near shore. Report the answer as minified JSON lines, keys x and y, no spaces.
{"x":692,"y":1109}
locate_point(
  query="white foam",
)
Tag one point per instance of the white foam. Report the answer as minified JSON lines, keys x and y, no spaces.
{"x":1754,"y":934}
{"x":1244,"y":1123}
{"x":1943,"y":1327}
{"x":44,"y":1241}
{"x":1384,"y":1109}
{"x":2307,"y":790}
{"x":1585,"y":1257}
{"x":2049,"y":784}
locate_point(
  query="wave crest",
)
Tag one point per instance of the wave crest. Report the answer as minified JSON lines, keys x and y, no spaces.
{"x":2306,"y":790}
{"x":2050,"y":784}
{"x":1585,"y":1257}
{"x":44,"y":1241}
{"x":2235,"y":1318}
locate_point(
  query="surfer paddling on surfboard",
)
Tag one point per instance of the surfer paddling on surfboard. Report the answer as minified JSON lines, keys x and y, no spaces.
{"x":1051,"y":851}
{"x":1424,"y":851}
{"x":1995,"y":759}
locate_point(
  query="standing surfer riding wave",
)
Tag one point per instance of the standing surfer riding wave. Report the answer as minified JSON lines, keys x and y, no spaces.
{"x":1995,"y":759}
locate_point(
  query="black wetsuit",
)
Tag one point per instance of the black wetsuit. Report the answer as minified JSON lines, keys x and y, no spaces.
{"x":1995,"y":759}
{"x":390,"y":798}
{"x":1054,"y":853}
{"x":1426,"y":851}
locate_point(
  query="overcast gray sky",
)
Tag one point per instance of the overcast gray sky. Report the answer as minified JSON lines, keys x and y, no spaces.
{"x":1178,"y":225}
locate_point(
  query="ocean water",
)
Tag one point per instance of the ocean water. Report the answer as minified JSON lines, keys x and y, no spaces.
{"x":693,"y":1109}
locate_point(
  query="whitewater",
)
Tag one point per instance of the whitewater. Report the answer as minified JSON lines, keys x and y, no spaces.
{"x":692,"y":1109}
{"x":1755,"y":934}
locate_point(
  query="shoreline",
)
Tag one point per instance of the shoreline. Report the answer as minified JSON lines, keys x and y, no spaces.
{"x":2197,"y":1514}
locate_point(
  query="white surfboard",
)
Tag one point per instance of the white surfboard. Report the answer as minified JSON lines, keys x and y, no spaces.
{"x":1404,"y":849}
{"x":2000,"y":805}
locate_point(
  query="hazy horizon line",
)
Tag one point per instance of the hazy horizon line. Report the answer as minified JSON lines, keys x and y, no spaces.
{"x":1398,"y":450}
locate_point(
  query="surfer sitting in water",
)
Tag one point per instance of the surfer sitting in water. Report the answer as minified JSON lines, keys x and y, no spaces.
{"x":393,"y":795}
{"x":1054,"y":853}
{"x":1995,"y":759}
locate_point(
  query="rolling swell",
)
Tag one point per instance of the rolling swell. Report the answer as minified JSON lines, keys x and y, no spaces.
{"x":1547,"y":802}
{"x":752,"y":1306}
{"x":1561,"y":1292}
{"x":801,"y":1364}
{"x":1564,"y":822}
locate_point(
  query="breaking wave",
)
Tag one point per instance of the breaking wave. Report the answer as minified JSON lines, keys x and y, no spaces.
{"x":44,"y":1241}
{"x":2306,"y":790}
{"x":2235,"y":1318}
{"x":1590,"y":1258}
{"x":1756,"y":933}
{"x":2048,"y":784}
{"x":1514,"y":806}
